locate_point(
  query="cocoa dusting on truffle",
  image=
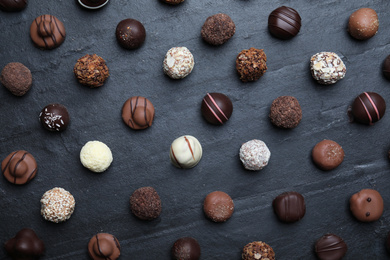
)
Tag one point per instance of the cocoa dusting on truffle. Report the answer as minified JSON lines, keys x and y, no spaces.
{"x":251,"y":64}
{"x":145,"y":203}
{"x":91,"y":70}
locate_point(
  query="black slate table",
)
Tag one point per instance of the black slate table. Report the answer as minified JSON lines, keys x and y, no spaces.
{"x":141,"y":158}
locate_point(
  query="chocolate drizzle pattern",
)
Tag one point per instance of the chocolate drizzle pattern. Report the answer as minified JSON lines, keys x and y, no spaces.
{"x":47,"y":32}
{"x":216,"y":108}
{"x":19,"y":167}
{"x":330,"y":247}
{"x":104,"y":246}
{"x":284,"y":22}
{"x":138,"y":113}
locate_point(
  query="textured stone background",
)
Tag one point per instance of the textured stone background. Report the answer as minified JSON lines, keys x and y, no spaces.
{"x":141,"y":158}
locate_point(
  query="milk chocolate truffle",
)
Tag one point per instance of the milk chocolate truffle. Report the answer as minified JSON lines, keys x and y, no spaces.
{"x":185,"y":152}
{"x":104,"y":246}
{"x":218,"y":206}
{"x":327,"y":67}
{"x":16,"y":78}
{"x":173,"y":2}
{"x":178,"y":62}
{"x":138,"y":113}
{"x":218,"y":29}
{"x":216,"y":108}
{"x":186,"y":248}
{"x":330,"y":247}
{"x":258,"y":250}
{"x":363,"y":24}
{"x":13,"y":5}
{"x":284,"y":22}
{"x":254,"y":155}
{"x":251,"y":64}
{"x":54,"y":117}
{"x":368,"y":108}
{"x":25,"y":245}
{"x":91,"y":70}
{"x":130,"y":34}
{"x":145,"y":203}
{"x":289,"y":206}
{"x":96,"y":156}
{"x":57,"y":205}
{"x":366,"y":205}
{"x":47,"y":32}
{"x":386,"y":67}
{"x":93,"y":4}
{"x":327,"y":155}
{"x":19,"y":167}
{"x":285,"y":112}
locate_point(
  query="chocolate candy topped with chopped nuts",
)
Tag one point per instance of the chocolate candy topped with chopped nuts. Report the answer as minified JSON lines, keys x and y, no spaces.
{"x":91,"y":70}
{"x":251,"y":64}
{"x":327,"y":67}
{"x":257,"y":250}
{"x":178,"y":62}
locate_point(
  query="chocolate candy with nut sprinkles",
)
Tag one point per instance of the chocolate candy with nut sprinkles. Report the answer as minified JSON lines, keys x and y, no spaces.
{"x":54,"y":117}
{"x":251,"y":64}
{"x":368,"y":108}
{"x":258,"y":250}
{"x":104,"y":246}
{"x":19,"y":167}
{"x":47,"y":32}
{"x":138,"y":113}
{"x":216,"y":108}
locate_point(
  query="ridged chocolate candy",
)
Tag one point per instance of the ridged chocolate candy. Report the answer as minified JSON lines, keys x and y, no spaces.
{"x":19,"y":167}
{"x":216,"y":108}
{"x":289,"y":206}
{"x":284,"y":22}
{"x":330,"y":247}
{"x":138,"y":113}
{"x":47,"y":32}
{"x":368,"y":108}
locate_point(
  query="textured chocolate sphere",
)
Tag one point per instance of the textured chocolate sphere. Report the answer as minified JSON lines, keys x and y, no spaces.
{"x":145,"y":203}
{"x":258,"y":250}
{"x":368,"y":108}
{"x":216,"y":108}
{"x":130,"y":34}
{"x":54,"y":117}
{"x":285,"y":112}
{"x":284,"y":22}
{"x":218,"y":29}
{"x":16,"y":78}
{"x":218,"y":206}
{"x":363,"y":24}
{"x":330,"y":247}
{"x":186,"y":248}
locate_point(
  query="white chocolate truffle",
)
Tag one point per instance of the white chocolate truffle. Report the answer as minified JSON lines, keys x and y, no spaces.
{"x":57,"y":205}
{"x":178,"y":62}
{"x":96,"y":156}
{"x":185,"y":152}
{"x":327,"y":67}
{"x":254,"y":155}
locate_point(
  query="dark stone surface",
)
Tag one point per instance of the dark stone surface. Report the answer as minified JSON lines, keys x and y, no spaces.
{"x":141,"y":158}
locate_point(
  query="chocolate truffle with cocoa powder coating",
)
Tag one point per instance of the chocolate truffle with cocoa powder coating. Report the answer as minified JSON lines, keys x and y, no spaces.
{"x":25,"y":245}
{"x":138,"y":113}
{"x":363,"y":24}
{"x":145,"y":203}
{"x":186,"y":248}
{"x":285,"y":112}
{"x":327,"y":155}
{"x":104,"y":246}
{"x":251,"y":64}
{"x":366,"y":205}
{"x":16,"y":78}
{"x":218,"y":29}
{"x":218,"y":206}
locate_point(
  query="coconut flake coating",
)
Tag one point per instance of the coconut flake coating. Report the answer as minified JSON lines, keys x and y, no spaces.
{"x":178,"y":62}
{"x":57,"y":205}
{"x":254,"y":155}
{"x":96,"y":156}
{"x":327,"y":67}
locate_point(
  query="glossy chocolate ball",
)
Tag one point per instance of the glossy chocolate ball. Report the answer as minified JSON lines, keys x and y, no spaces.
{"x":25,"y":245}
{"x":130,"y":34}
{"x":54,"y":117}
{"x":386,"y":67}
{"x":368,"y":108}
{"x":363,"y":24}
{"x":284,"y":22}
{"x":186,"y":248}
{"x":216,"y":108}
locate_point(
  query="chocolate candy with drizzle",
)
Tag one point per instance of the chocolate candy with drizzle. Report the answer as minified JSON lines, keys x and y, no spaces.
{"x":138,"y":113}
{"x":19,"y":167}
{"x":185,"y":152}
{"x":284,"y":22}
{"x":216,"y":108}
{"x":104,"y":246}
{"x":54,"y":117}
{"x":329,"y":247}
{"x":368,"y":108}
{"x":13,"y":5}
{"x":47,"y":32}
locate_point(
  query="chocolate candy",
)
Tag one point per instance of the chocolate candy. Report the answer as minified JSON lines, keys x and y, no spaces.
{"x":104,"y":246}
{"x":386,"y":67}
{"x":173,"y":2}
{"x":388,"y":242}
{"x":178,"y":62}
{"x":330,"y":247}
{"x":16,"y":78}
{"x":25,"y":245}
{"x":363,"y":24}
{"x":254,"y":155}
{"x":54,"y":117}
{"x":366,"y":205}
{"x":218,"y":206}
{"x":91,"y":70}
{"x":289,"y":206}
{"x":186,"y":248}
{"x":327,"y":67}
{"x":285,"y":112}
{"x":368,"y":108}
{"x":218,"y":29}
{"x":251,"y":64}
{"x":19,"y":167}
{"x":216,"y":108}
{"x":138,"y":113}
{"x":145,"y":203}
{"x":96,"y":156}
{"x":130,"y":34}
{"x":47,"y":32}
{"x":93,"y":4}
{"x":327,"y":155}
{"x":284,"y":22}
{"x":257,"y":250}
{"x":12,"y":5}
{"x":57,"y":205}
{"x":185,"y":152}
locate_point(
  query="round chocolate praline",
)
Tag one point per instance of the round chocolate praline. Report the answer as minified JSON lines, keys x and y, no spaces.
{"x":130,"y":34}
{"x":284,"y":22}
{"x":330,"y":247}
{"x":218,"y":206}
{"x":47,"y":32}
{"x":186,"y":248}
{"x":218,"y":29}
{"x":19,"y":167}
{"x":25,"y":245}
{"x":368,"y":108}
{"x":289,"y":206}
{"x":13,"y":5}
{"x":104,"y":246}
{"x":138,"y":113}
{"x":366,"y":205}
{"x":257,"y":250}
{"x":145,"y":203}
{"x":16,"y":78}
{"x":327,"y":155}
{"x":54,"y":117}
{"x":285,"y":112}
{"x":386,"y":67}
{"x":363,"y":24}
{"x":216,"y":108}
{"x":93,"y":4}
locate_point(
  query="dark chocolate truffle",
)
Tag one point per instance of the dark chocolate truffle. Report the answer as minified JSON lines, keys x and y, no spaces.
{"x":91,"y":70}
{"x":284,"y":22}
{"x":25,"y":245}
{"x":216,"y":108}
{"x":218,"y":206}
{"x":366,"y":205}
{"x":257,"y":250}
{"x":386,"y":67}
{"x":104,"y":246}
{"x":327,"y":155}
{"x":285,"y":112}
{"x":130,"y":34}
{"x":330,"y":247}
{"x":93,"y":4}
{"x":368,"y":108}
{"x":47,"y":32}
{"x":388,"y":242}
{"x":218,"y":29}
{"x":19,"y":167}
{"x":289,"y":206}
{"x":12,"y":5}
{"x":186,"y":248}
{"x":54,"y":117}
{"x":173,"y":2}
{"x":138,"y":113}
{"x":251,"y":64}
{"x":145,"y":203}
{"x":363,"y":24}
{"x":16,"y":78}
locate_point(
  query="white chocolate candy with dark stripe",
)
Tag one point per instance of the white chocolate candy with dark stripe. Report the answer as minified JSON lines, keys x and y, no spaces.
{"x":368,"y":108}
{"x":185,"y":152}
